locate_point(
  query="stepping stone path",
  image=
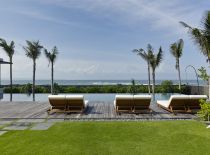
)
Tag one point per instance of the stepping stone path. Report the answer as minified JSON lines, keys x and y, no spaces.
{"x":2,"y":132}
{"x":42,"y":126}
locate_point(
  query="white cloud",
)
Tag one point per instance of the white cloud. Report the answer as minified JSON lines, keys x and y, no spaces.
{"x":161,"y":14}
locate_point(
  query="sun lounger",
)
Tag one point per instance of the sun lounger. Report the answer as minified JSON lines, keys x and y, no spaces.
{"x":194,"y":103}
{"x":141,"y":103}
{"x":57,"y":102}
{"x":123,"y":103}
{"x":75,"y":103}
{"x":176,"y":103}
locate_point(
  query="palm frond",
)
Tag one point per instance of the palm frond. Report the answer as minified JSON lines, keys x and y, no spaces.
{"x":159,"y":57}
{"x":206,"y":22}
{"x":156,"y":59}
{"x":177,"y":48}
{"x":185,"y":25}
{"x":51,"y":56}
{"x":33,"y":49}
{"x":8,"y":48}
{"x":180,"y":45}
{"x":201,"y":37}
{"x":149,"y":48}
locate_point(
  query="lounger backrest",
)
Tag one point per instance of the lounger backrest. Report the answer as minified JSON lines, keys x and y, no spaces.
{"x":75,"y":100}
{"x":179,"y":100}
{"x":57,"y":100}
{"x":124,"y":100}
{"x":195,"y":99}
{"x":142,"y":100}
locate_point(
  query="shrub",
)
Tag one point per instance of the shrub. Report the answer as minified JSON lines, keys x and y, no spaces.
{"x":167,"y":86}
{"x":58,"y":89}
{"x":41,"y":89}
{"x":204,"y":112}
{"x":26,"y":89}
{"x":185,"y":89}
{"x":132,"y":88}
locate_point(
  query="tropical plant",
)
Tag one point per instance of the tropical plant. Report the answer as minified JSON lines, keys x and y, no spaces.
{"x":146,"y":56}
{"x":57,"y":89}
{"x":201,"y":36}
{"x":204,"y":112}
{"x":176,"y":50}
{"x":132,"y":88}
{"x":27,"y":88}
{"x":51,"y":56}
{"x":203,"y":74}
{"x":10,"y":50}
{"x":33,"y":51}
{"x":155,"y":61}
{"x":167,"y":86}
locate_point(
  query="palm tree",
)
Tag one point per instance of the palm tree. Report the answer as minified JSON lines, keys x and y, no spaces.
{"x":155,"y":61}
{"x":51,"y":56}
{"x":176,"y":50}
{"x":146,"y":56}
{"x":33,"y":51}
{"x":201,"y":36}
{"x":10,"y":50}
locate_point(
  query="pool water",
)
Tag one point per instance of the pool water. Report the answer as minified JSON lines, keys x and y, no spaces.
{"x":90,"y":97}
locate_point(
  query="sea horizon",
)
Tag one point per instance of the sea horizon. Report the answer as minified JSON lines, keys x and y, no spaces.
{"x":97,"y":82}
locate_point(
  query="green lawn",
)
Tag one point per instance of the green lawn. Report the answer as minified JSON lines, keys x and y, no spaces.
{"x":158,"y":137}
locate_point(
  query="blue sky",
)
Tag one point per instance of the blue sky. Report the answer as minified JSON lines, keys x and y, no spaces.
{"x":95,"y":37}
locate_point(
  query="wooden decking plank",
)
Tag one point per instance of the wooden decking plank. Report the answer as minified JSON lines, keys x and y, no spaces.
{"x":95,"y":110}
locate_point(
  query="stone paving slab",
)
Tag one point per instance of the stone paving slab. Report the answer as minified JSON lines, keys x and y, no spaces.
{"x":2,"y":122}
{"x":18,"y":126}
{"x":55,"y":120}
{"x":15,"y":127}
{"x":42,"y":126}
{"x":31,"y":120}
{"x":2,"y":132}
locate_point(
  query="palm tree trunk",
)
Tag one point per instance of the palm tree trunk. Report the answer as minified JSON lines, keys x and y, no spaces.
{"x":153,"y":86}
{"x":149,"y":77}
{"x":178,"y":68}
{"x":10,"y":79}
{"x":33,"y":86}
{"x":52,"y":82}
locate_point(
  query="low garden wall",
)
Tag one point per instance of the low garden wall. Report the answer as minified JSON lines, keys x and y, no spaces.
{"x":203,"y":90}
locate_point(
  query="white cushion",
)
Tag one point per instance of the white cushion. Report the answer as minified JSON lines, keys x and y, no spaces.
{"x":163,"y":103}
{"x":142,"y":97}
{"x":198,"y":97}
{"x":124,"y":97}
{"x":179,"y":97}
{"x":56,"y":97}
{"x":77,"y":97}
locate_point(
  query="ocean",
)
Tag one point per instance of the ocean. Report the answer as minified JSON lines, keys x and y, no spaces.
{"x":97,"y":82}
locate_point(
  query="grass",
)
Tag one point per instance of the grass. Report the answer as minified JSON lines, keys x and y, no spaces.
{"x":157,"y":137}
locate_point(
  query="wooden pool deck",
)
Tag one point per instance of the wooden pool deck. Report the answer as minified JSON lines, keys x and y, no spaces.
{"x":95,"y":111}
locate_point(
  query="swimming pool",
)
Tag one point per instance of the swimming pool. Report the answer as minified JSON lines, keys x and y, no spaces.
{"x":90,"y":97}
